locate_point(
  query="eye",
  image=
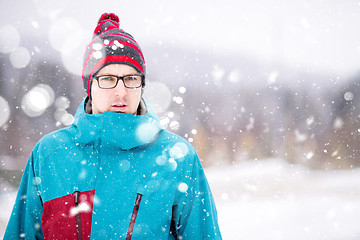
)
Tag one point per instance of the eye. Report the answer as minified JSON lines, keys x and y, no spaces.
{"x":106,"y":78}
{"x":132,"y":78}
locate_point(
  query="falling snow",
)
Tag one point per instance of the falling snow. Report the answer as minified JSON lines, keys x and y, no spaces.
{"x":82,"y":207}
{"x":273,"y":90}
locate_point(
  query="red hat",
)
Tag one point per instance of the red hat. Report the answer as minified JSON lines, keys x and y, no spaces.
{"x":109,"y":45}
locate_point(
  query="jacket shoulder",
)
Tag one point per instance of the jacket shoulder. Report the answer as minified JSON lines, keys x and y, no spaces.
{"x":54,"y":140}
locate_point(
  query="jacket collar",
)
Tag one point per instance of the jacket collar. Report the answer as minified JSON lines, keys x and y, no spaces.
{"x":122,"y":130}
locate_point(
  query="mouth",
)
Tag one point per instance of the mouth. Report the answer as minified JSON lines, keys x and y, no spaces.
{"x":118,"y":107}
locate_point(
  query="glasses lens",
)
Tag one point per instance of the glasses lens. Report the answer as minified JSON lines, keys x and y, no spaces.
{"x":107,"y":81}
{"x":132,"y":81}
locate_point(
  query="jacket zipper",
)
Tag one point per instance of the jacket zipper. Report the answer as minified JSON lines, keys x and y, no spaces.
{"x":133,"y":217}
{"x":77,"y":216}
{"x":173,"y":230}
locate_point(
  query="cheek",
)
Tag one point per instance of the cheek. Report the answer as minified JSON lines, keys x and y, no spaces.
{"x":93,"y":89}
{"x":96,"y":92}
{"x":138,"y":94}
{"x":97,"y":96}
{"x":135,"y":98}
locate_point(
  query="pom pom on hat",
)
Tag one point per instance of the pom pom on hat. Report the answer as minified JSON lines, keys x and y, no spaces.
{"x":110,"y":16}
{"x":111,"y":45}
{"x":107,"y":21}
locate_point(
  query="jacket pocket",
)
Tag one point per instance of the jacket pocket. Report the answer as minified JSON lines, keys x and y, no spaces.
{"x":68,"y":217}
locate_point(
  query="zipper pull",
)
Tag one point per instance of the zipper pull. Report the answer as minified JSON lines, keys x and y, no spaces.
{"x":76,"y":194}
{"x":77,"y":216}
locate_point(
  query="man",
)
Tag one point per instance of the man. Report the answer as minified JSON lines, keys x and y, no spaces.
{"x":115,"y":173}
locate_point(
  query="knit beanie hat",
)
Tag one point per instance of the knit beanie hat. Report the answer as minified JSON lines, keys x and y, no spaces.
{"x":109,"y":45}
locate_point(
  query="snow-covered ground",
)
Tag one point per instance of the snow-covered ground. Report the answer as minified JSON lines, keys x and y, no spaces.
{"x":271,"y":199}
{"x":274,"y":200}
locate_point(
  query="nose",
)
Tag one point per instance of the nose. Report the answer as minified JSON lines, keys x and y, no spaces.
{"x":120,"y":89}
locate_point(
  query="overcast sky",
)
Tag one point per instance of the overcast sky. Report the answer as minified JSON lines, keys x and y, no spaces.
{"x":321,"y":35}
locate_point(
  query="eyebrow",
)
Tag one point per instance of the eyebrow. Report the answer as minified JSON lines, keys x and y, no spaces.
{"x":111,"y":74}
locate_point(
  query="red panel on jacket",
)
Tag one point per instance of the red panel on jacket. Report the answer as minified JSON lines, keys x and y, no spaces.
{"x":59,"y":216}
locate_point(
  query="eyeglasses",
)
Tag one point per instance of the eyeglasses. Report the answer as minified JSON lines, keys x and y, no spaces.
{"x":110,"y":81}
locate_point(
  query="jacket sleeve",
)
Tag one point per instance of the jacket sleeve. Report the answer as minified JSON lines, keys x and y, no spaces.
{"x":25,"y":219}
{"x":195,"y":214}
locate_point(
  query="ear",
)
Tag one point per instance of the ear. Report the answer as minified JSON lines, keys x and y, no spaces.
{"x":88,"y":106}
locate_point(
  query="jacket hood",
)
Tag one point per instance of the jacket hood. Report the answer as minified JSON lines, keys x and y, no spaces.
{"x":122,"y":130}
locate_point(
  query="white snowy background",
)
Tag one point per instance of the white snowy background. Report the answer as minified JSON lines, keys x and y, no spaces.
{"x":257,"y":198}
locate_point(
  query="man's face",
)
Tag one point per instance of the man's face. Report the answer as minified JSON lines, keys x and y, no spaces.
{"x":118,"y":99}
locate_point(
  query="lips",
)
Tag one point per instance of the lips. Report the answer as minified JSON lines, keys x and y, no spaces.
{"x":118,"y":107}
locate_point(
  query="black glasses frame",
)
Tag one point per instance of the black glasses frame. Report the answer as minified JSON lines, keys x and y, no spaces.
{"x":118,"y":79}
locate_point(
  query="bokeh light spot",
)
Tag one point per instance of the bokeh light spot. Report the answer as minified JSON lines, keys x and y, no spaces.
{"x":20,"y":57}
{"x":67,"y":36}
{"x":183,"y":187}
{"x":9,"y":38}
{"x":4,"y":111}
{"x":175,"y":125}
{"x":153,"y":185}
{"x":62,"y":103}
{"x":179,"y":150}
{"x":37,"y":100}
{"x":97,"y":46}
{"x":161,"y":160}
{"x":348,"y":96}
{"x":234,"y":76}
{"x":158,"y":95}
{"x":172,"y":165}
{"x":182,"y":90}
{"x":73,"y":60}
{"x":62,"y":34}
{"x":67,"y":119}
{"x":145,"y":132}
{"x":36,"y":180}
{"x":124,"y":165}
{"x":178,"y":100}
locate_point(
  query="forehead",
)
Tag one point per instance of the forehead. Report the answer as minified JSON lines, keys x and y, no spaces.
{"x":117,"y":69}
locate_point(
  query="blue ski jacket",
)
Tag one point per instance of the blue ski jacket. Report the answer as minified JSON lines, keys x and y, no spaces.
{"x":113,"y":176}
